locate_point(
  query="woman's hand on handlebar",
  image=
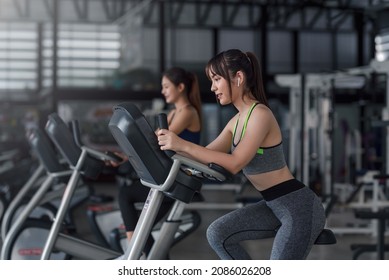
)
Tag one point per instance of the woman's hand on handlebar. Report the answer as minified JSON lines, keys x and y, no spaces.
{"x":168,"y":140}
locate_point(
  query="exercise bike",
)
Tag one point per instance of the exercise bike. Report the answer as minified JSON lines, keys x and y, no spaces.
{"x":86,"y":162}
{"x":28,"y":217}
{"x":165,"y":173}
{"x":161,"y":173}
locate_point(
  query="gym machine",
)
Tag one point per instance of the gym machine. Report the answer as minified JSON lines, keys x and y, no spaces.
{"x":85,"y":161}
{"x":312,"y":123}
{"x":27,"y":219}
{"x":165,"y":173}
{"x":377,"y":210}
{"x":374,"y":207}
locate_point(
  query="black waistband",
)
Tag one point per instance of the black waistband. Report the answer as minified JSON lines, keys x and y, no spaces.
{"x":282,"y":189}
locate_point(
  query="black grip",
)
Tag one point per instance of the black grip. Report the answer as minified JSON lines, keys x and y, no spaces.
{"x":163,"y":124}
{"x":162,"y":121}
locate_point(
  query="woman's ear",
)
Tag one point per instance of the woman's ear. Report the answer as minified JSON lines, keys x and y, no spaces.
{"x":181,"y":87}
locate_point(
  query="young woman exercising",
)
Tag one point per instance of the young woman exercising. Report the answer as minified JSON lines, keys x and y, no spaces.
{"x":252,"y":142}
{"x":180,"y":89}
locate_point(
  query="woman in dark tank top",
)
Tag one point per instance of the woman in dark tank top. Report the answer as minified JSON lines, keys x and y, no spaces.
{"x":180,"y":89}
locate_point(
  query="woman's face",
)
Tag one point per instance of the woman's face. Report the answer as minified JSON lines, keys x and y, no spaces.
{"x":169,"y":90}
{"x":220,"y":88}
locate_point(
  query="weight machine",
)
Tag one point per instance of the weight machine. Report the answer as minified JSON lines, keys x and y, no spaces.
{"x":312,"y":124}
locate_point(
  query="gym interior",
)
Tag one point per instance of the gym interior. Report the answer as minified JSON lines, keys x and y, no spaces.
{"x":65,"y":65}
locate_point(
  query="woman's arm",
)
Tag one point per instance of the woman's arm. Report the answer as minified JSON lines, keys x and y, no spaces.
{"x":256,"y":131}
{"x":223,"y":141}
{"x":170,"y":141}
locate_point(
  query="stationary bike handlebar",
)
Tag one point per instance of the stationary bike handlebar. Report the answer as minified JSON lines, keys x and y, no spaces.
{"x":211,"y":171}
{"x":107,"y":155}
{"x":163,"y":124}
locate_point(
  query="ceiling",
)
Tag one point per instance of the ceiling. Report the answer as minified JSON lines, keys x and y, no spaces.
{"x":207,"y":13}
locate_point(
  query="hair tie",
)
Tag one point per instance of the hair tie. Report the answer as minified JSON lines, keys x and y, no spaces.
{"x":248,"y":57}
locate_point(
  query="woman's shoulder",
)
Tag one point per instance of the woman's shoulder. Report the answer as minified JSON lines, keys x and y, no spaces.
{"x":189,"y":107}
{"x":262,"y":115}
{"x":187,"y":114}
{"x":189,"y":110}
{"x":262,"y":110}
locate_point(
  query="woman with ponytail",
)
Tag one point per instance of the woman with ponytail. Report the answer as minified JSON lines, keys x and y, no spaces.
{"x":252,"y":142}
{"x":180,"y":89}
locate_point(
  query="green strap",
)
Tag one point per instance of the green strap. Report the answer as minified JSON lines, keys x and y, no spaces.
{"x":260,"y":150}
{"x":236,"y":125}
{"x":247,"y":118}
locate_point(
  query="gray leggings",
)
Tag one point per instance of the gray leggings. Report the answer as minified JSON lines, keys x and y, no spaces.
{"x":298,"y":217}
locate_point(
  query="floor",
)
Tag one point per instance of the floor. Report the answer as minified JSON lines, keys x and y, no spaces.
{"x":219,"y":199}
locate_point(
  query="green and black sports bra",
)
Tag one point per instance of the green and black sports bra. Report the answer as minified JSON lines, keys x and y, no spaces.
{"x":266,"y":159}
